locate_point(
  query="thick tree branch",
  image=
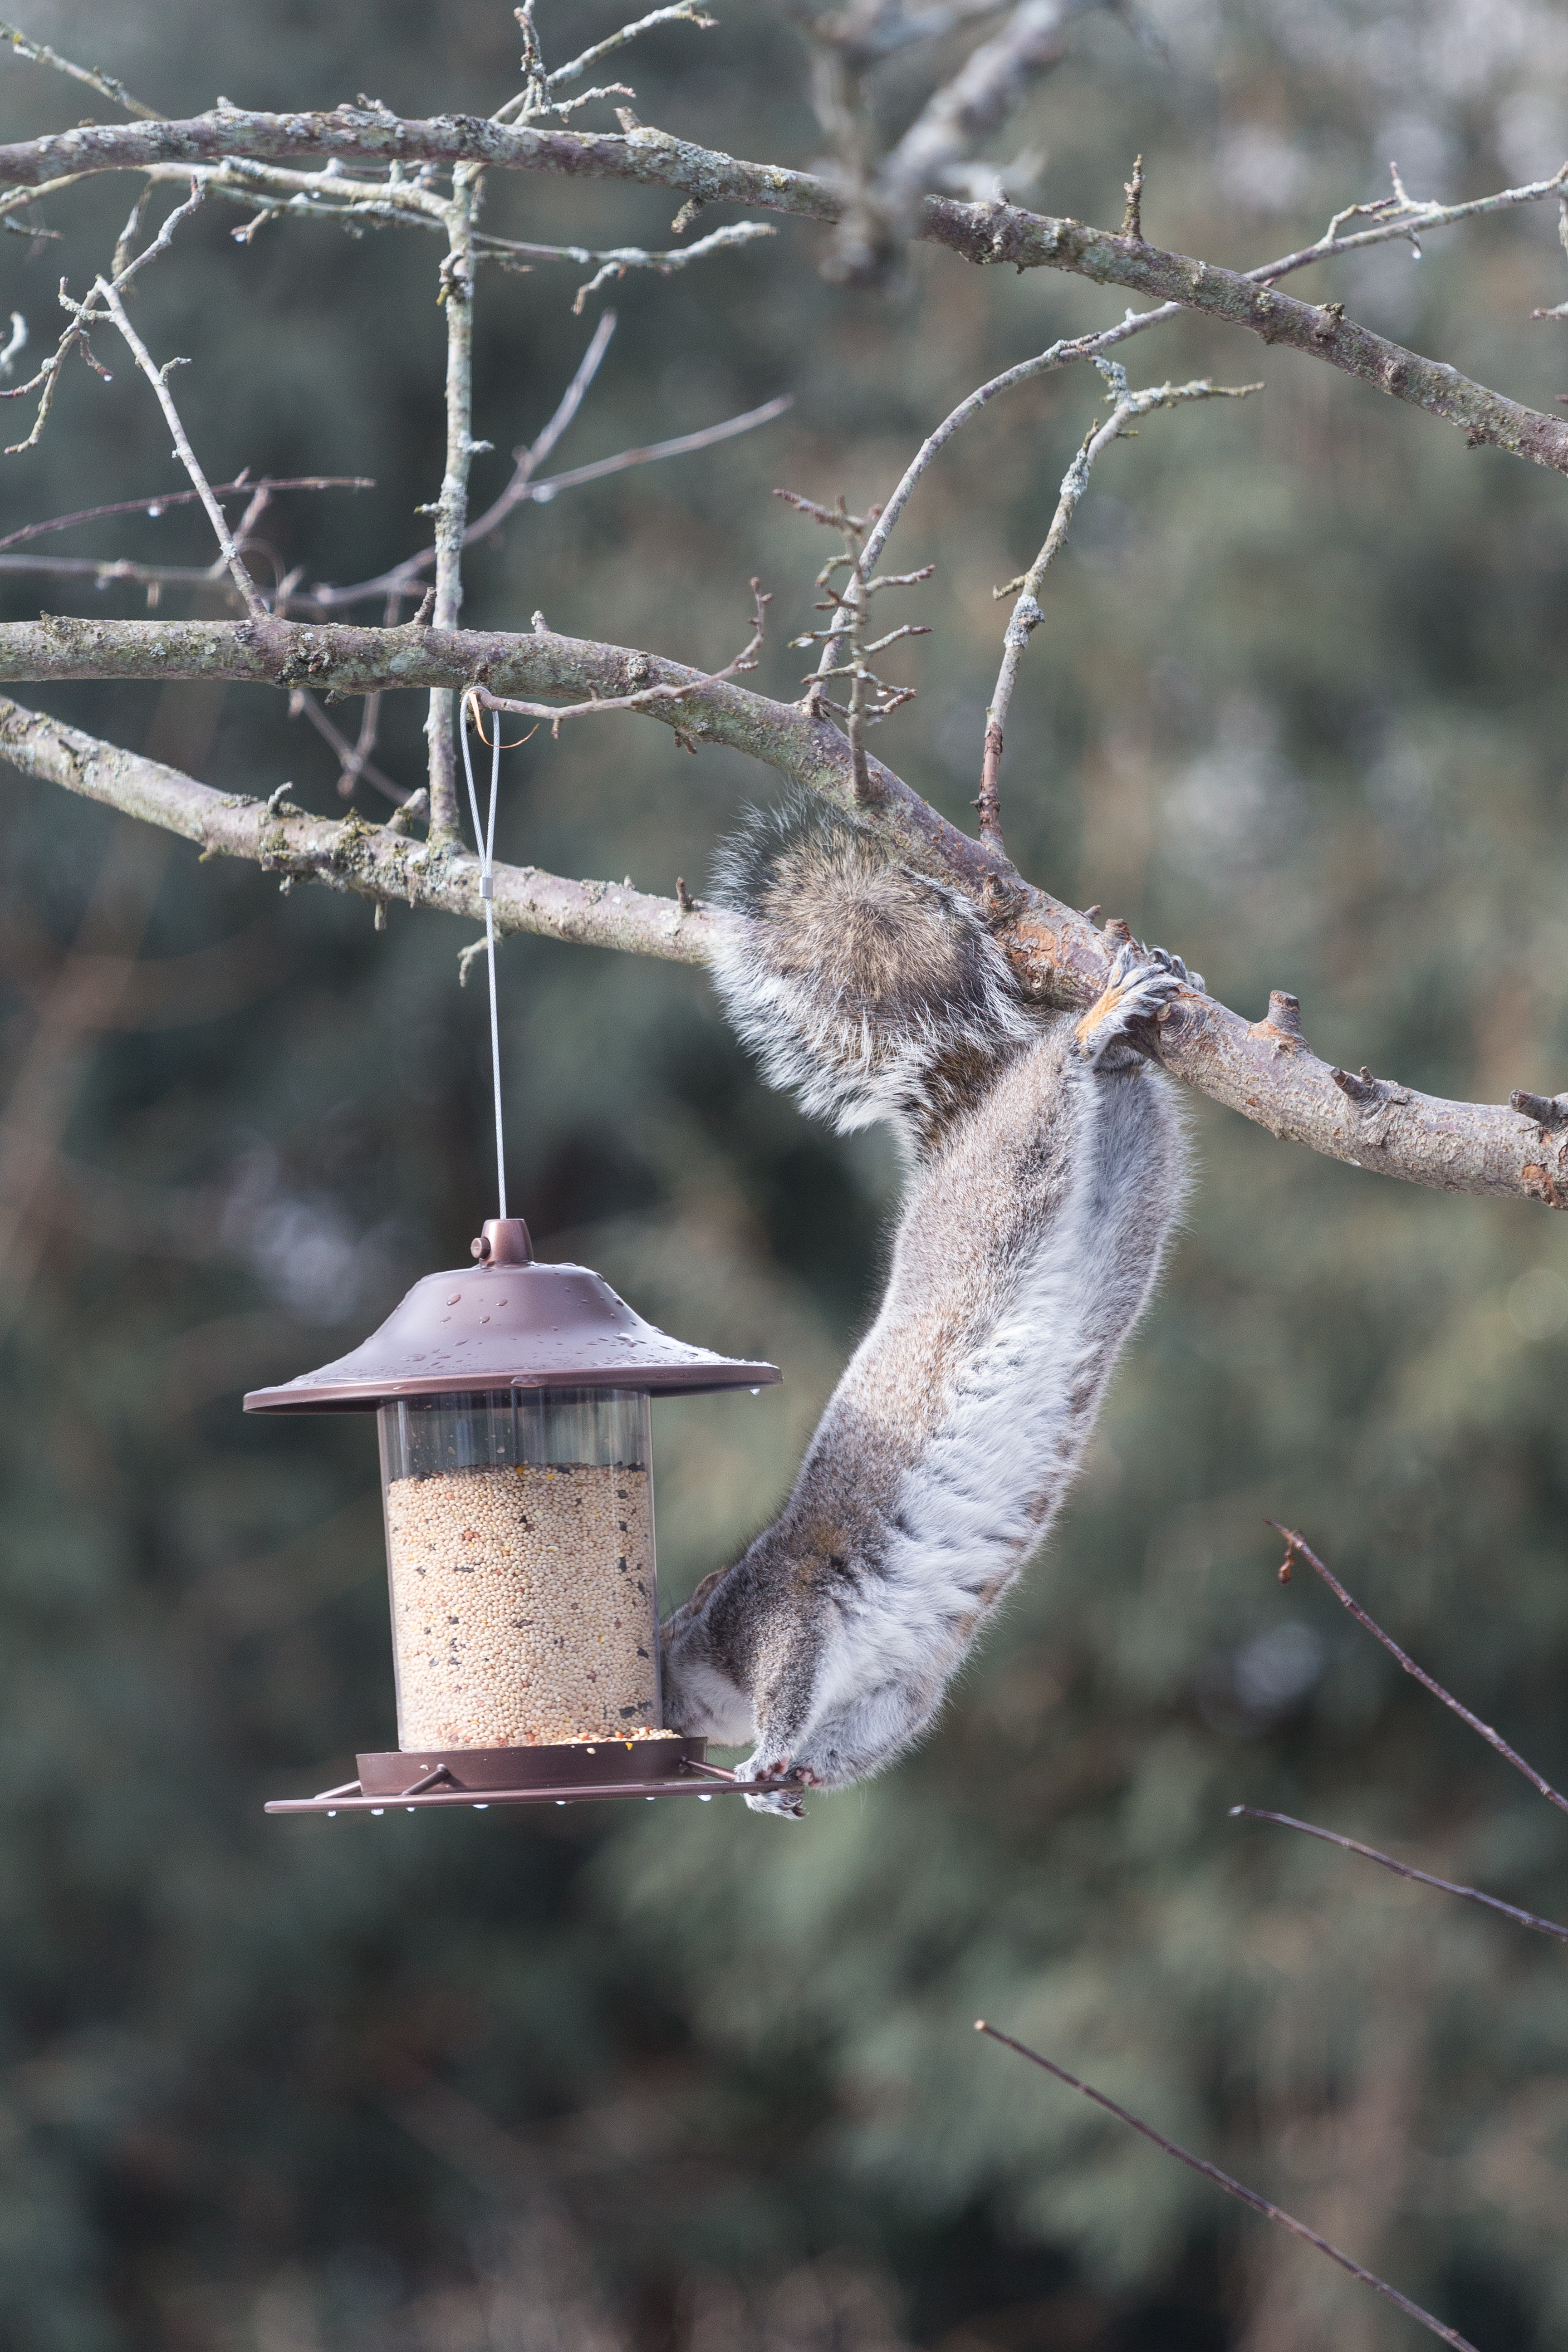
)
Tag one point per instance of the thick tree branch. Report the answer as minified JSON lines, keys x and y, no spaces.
{"x":375,"y":861}
{"x":980,"y":233}
{"x":1264,"y":1069}
{"x":332,"y":659}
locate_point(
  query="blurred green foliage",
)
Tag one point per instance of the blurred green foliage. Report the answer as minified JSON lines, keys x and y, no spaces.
{"x":683,"y":2078}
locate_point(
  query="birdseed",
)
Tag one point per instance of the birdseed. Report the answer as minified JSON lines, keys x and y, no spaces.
{"x":522,"y":1605}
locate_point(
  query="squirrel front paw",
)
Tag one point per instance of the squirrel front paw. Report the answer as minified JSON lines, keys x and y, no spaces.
{"x":1143,"y":981}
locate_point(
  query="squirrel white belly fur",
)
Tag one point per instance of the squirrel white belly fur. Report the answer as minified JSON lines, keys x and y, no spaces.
{"x":1046,"y":1167}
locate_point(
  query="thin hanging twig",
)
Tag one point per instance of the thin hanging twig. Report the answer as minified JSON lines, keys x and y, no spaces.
{"x":158,"y":378}
{"x":1025,"y":616}
{"x":108,"y":85}
{"x":1404,"y":1869}
{"x":1298,"y":1547}
{"x":155,"y":505}
{"x":1234,"y":2188}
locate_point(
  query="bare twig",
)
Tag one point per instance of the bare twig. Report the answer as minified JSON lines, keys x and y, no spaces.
{"x":452,"y":504}
{"x":614,"y":261}
{"x":353,"y":757}
{"x":38,"y":53}
{"x":1058,"y":356}
{"x":524,"y":487}
{"x":682,"y":446}
{"x":158,"y":378}
{"x":109,"y":571}
{"x":868,"y":36}
{"x":528,"y":459}
{"x":1398,"y":217}
{"x":81,"y":317}
{"x":1132,"y":213}
{"x":160,"y":499}
{"x":1298,"y":1547}
{"x":850,"y":607}
{"x":682,"y":12}
{"x":1404,"y":1869}
{"x":644,"y":699}
{"x":1027,"y":616}
{"x":1250,"y":2196}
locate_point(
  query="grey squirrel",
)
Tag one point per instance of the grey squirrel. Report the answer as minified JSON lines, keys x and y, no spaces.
{"x":1046,"y":1167}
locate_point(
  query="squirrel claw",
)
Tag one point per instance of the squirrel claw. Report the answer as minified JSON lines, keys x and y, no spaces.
{"x":779,"y":1786}
{"x":1141,"y":983}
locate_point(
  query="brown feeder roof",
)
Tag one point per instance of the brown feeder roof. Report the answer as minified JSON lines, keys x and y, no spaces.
{"x":504,"y":1323}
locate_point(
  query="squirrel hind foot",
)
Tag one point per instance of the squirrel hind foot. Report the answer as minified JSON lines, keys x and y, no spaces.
{"x":1143,"y":981}
{"x":783,"y":1804}
{"x":779,"y":1785}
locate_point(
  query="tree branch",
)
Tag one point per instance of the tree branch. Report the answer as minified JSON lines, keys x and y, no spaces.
{"x":38,"y":53}
{"x":1270,"y":2211}
{"x":1005,"y":232}
{"x":1265,"y":1070}
{"x":452,"y":505}
{"x":1405,"y":1869}
{"x":375,"y":861}
{"x":1298,"y":1547}
{"x":980,"y":233}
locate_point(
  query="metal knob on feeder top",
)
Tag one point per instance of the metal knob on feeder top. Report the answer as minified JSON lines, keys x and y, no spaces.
{"x":514,"y":1404}
{"x":503,"y":1241}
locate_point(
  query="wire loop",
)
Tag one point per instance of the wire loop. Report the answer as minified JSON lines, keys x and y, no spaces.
{"x":473,"y":709}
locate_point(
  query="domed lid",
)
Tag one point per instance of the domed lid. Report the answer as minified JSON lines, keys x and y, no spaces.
{"x":509,"y":1323}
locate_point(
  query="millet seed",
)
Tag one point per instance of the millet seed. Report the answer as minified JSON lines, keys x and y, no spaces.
{"x":522,"y":1605}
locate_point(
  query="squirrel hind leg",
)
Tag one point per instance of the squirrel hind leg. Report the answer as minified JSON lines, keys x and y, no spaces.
{"x":1143,"y":981}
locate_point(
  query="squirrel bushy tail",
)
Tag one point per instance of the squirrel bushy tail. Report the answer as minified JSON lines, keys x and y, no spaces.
{"x":866,"y":989}
{"x":1047,"y":1167}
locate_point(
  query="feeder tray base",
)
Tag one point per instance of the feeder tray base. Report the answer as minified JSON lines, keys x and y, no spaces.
{"x":579,"y":1772}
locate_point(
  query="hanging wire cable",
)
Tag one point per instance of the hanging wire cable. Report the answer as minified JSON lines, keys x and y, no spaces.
{"x":485,"y":842}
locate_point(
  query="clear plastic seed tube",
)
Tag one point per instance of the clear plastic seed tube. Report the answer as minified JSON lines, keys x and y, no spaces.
{"x":521,"y":1552}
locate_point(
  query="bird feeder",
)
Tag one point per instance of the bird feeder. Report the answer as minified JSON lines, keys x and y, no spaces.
{"x":517,"y":1480}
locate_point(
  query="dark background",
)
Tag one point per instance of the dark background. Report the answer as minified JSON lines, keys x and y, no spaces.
{"x":682,"y":2079}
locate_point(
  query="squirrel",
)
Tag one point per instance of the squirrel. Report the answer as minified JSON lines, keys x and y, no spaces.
{"x":1046,"y":1167}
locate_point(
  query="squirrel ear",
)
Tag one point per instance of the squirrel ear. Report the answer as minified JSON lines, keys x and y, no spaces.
{"x":705,"y":1588}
